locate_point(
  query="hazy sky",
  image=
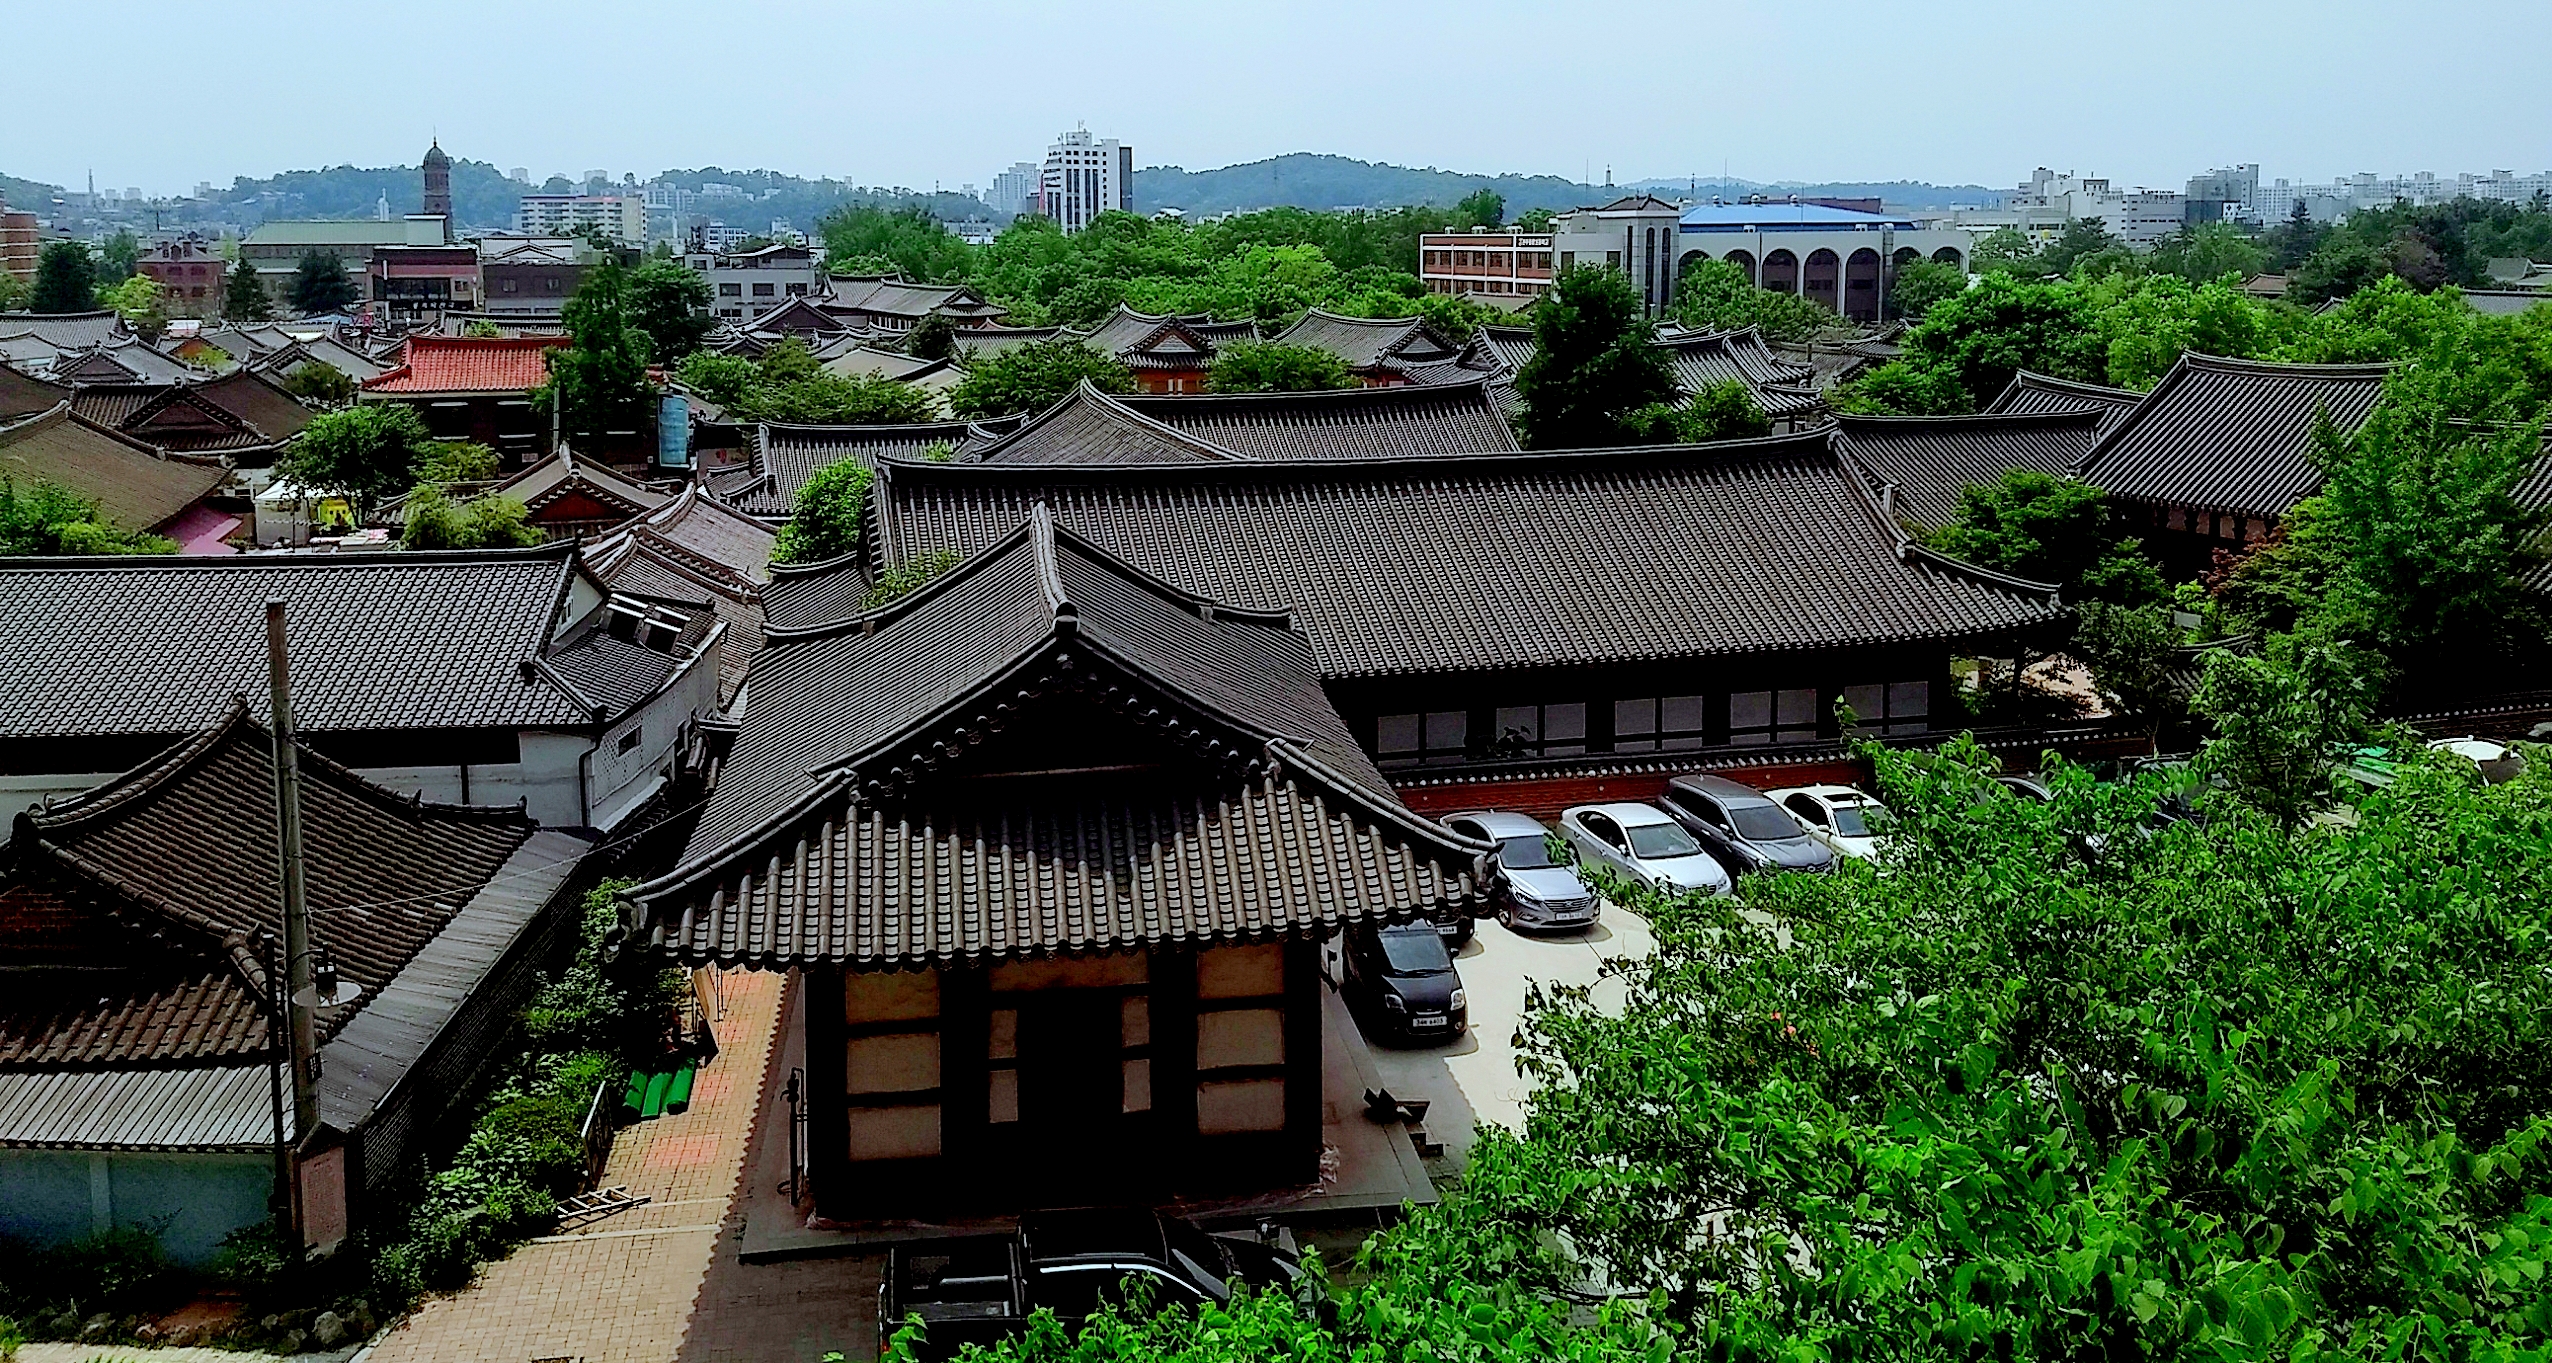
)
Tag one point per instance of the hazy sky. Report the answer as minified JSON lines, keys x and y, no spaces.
{"x":915,"y":93}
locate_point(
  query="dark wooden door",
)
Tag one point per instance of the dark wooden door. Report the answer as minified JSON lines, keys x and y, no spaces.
{"x":1072,"y":1092}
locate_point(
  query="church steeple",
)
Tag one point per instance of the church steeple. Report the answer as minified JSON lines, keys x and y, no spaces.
{"x":438,"y":182}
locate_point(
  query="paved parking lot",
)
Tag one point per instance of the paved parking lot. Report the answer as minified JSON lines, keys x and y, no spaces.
{"x":1472,"y":1079}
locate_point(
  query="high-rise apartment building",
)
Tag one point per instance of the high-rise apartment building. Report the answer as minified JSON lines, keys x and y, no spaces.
{"x":1085,"y":177}
{"x":621,"y":217}
{"x":1014,"y":191}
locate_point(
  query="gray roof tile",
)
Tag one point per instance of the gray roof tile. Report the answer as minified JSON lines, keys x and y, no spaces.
{"x":1930,"y":460}
{"x":2231,"y":435}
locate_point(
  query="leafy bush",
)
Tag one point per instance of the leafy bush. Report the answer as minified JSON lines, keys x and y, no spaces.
{"x":1033,"y":377}
{"x":51,"y":519}
{"x":824,"y":521}
{"x":1723,"y":411}
{"x":1266,"y":367}
{"x":907,"y":576}
{"x":1717,"y":296}
{"x":481,"y":523}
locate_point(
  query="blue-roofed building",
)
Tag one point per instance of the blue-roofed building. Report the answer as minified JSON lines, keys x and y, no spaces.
{"x":1840,"y":255}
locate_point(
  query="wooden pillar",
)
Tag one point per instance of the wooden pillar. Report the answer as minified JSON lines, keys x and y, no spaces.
{"x":1302,"y":1060}
{"x":828,"y":1121}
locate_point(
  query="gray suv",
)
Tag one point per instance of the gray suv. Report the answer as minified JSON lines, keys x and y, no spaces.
{"x":1532,"y":890}
{"x":1742,"y":827}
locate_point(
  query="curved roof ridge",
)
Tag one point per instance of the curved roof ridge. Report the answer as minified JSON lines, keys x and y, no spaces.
{"x":1387,"y":465}
{"x":1378,"y":396}
{"x":865,"y":620}
{"x":1856,"y":478}
{"x":2030,"y":378}
{"x":2230,"y":364}
{"x":561,"y":550}
{"x":1085,"y":393}
{"x":1846,"y":420}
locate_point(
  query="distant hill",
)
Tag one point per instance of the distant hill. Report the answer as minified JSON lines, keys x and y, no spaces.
{"x":27,"y":196}
{"x":1309,"y":180}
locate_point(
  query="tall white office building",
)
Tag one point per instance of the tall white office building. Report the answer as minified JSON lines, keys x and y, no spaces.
{"x":1014,"y":190}
{"x":1085,"y":177}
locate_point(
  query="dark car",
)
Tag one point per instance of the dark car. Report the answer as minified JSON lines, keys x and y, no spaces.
{"x":1529,"y":888}
{"x":1742,"y":827}
{"x":982,"y":1289}
{"x":1400,"y":983}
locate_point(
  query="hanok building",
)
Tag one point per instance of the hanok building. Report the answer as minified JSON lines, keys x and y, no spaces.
{"x":137,"y":487}
{"x":1377,"y":350}
{"x":1926,"y":463}
{"x":780,"y":457}
{"x":568,"y":496}
{"x":479,"y":677}
{"x":241,"y":416}
{"x":1166,"y":354}
{"x":891,"y":303}
{"x":1703,"y":360}
{"x":2222,"y":449}
{"x":696,"y":548}
{"x":1054,"y":845}
{"x":1712,"y":602}
{"x":2030,"y":393}
{"x":1092,"y":427}
{"x":138,"y":1049}
{"x":472,"y":388}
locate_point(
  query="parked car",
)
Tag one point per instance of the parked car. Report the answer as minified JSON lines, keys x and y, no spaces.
{"x":1742,"y":826}
{"x":1529,"y":888}
{"x":980,"y":1289}
{"x":1838,"y":816}
{"x":1400,"y":983}
{"x":1642,"y":844}
{"x":2498,"y":762}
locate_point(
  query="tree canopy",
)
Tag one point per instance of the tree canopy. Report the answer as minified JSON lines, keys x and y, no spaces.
{"x":786,"y":385}
{"x":1033,"y":377}
{"x":1714,"y":295}
{"x":243,"y":297}
{"x":824,"y":519}
{"x":669,"y":304}
{"x":599,"y":381}
{"x":65,"y":280}
{"x":1595,"y":362}
{"x":365,"y":453}
{"x":321,"y":285}
{"x":1266,"y":367}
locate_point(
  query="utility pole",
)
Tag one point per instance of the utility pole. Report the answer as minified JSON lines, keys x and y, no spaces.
{"x":287,"y":1197}
{"x":296,"y":906}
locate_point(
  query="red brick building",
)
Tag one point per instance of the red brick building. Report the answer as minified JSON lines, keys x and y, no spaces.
{"x":1495,"y":263}
{"x":473,"y":388}
{"x":189,"y":272}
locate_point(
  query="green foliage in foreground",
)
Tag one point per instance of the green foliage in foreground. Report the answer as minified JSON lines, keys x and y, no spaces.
{"x":47,"y":518}
{"x":2045,"y":1085}
{"x":824,"y":521}
{"x":1716,"y":296}
{"x":434,"y":522}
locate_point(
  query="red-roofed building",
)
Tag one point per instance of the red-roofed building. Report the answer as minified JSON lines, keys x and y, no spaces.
{"x":472,"y":388}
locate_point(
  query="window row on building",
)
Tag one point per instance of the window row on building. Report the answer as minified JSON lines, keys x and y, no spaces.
{"x":1640,"y":724}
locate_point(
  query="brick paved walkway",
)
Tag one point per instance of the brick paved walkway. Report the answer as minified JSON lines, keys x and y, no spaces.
{"x":624,"y":1289}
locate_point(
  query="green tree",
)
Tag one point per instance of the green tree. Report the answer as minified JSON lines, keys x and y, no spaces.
{"x":1968,"y":347}
{"x":2004,"y":249}
{"x":916,"y":244}
{"x":46,"y":518}
{"x":2208,"y":253}
{"x":2047,"y":528}
{"x":433,"y":522}
{"x":722,"y":379}
{"x":1715,"y":295}
{"x":1034,"y":377}
{"x":1595,"y":362}
{"x":481,"y":329}
{"x":243,"y":297}
{"x":833,"y":399}
{"x":457,"y":461}
{"x":1533,"y":220}
{"x":321,"y":286}
{"x":1266,"y":367}
{"x":13,"y":292}
{"x":119,"y":257}
{"x":904,"y":578}
{"x":364,"y":454}
{"x":599,"y":381}
{"x":824,"y":519}
{"x":2129,"y":652}
{"x":320,"y":384}
{"x":669,"y":301}
{"x":932,"y":338}
{"x":1483,"y":207}
{"x":2285,"y":719}
{"x":1723,"y":411}
{"x":65,"y":280}
{"x":1921,"y":283}
{"x":137,"y":300}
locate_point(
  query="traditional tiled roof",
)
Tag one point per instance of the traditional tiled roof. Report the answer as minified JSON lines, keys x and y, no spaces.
{"x":237,"y":414}
{"x":65,"y":330}
{"x":891,"y":296}
{"x":616,"y":675}
{"x":1702,"y":360}
{"x":567,"y":488}
{"x":1369,"y":344}
{"x":1143,"y":340}
{"x":989,"y":341}
{"x":1352,"y":423}
{"x":881,"y":808}
{"x":1929,"y":460}
{"x":469,"y":364}
{"x":696,"y":548}
{"x":136,"y":486}
{"x":254,"y":398}
{"x":126,"y":361}
{"x":2504,"y":302}
{"x":785,"y":456}
{"x":2030,"y":393}
{"x":418,"y":640}
{"x":187,"y":843}
{"x":1599,"y":556}
{"x":1511,"y":345}
{"x":2231,"y":435}
{"x":23,"y":395}
{"x":346,"y":360}
{"x":1091,"y":427}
